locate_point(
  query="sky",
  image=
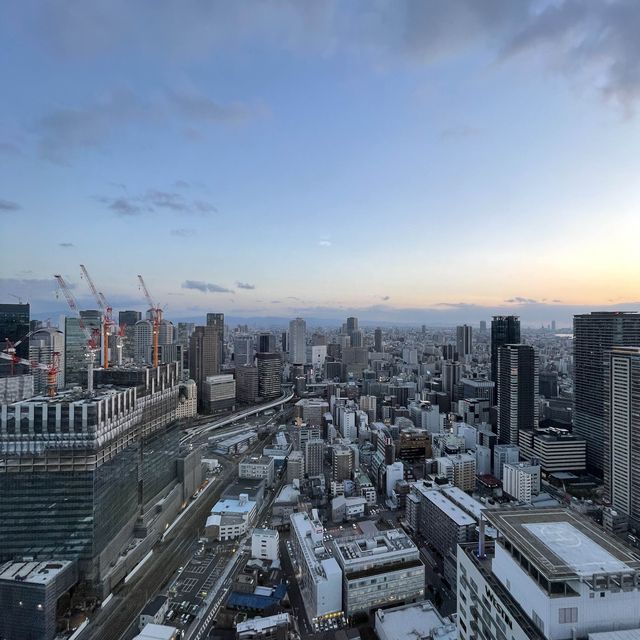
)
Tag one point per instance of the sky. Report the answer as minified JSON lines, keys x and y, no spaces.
{"x":409,"y":161}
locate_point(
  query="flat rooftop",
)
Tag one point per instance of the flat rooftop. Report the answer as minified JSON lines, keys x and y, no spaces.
{"x":453,"y":511}
{"x":385,"y":542}
{"x":414,"y":621}
{"x":563,"y":545}
{"x":39,"y":573}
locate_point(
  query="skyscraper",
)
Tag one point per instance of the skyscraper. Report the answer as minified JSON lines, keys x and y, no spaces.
{"x":242,"y":350}
{"x":44,"y":343}
{"x":266,"y":342}
{"x":352,"y":325}
{"x":377,"y":340}
{"x":483,"y":326}
{"x":75,"y":343}
{"x":14,"y":324}
{"x":313,"y":457}
{"x":464,"y":342}
{"x":518,"y":371}
{"x":204,"y":356}
{"x":450,"y":377}
{"x":594,"y":335}
{"x":504,"y":330}
{"x":269,"y":375}
{"x":129,"y":318}
{"x":622,"y":430}
{"x":217,"y":320}
{"x":298,"y":341}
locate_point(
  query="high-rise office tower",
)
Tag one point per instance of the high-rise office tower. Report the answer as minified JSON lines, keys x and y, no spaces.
{"x":217,"y":320}
{"x":504,"y":330}
{"x":266,"y":342}
{"x":352,"y":325}
{"x":242,"y":350}
{"x":44,"y":343}
{"x":622,"y":430}
{"x":450,"y":377}
{"x":377,"y":340}
{"x":298,"y":341}
{"x":204,"y":356}
{"x":357,"y":338}
{"x":483,"y":326}
{"x":269,"y":374}
{"x":464,"y":342}
{"x":129,"y":318}
{"x":14,"y":324}
{"x":594,"y":334}
{"x":518,"y":371}
{"x":284,"y":343}
{"x":143,"y":340}
{"x":553,"y":325}
{"x":75,"y":344}
{"x":313,"y":457}
{"x":77,"y":472}
{"x":341,"y":463}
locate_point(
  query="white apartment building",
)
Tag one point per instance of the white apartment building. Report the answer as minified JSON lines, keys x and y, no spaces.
{"x":550,"y":575}
{"x":379,"y":570}
{"x":258,"y":468}
{"x":264,"y":544}
{"x":320,"y":579}
{"x":521,"y":481}
{"x":231,"y":518}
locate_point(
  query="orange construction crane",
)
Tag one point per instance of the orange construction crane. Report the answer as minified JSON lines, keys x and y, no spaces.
{"x":156,"y":317}
{"x":92,"y":344}
{"x":51,"y":369}
{"x":107,"y":316}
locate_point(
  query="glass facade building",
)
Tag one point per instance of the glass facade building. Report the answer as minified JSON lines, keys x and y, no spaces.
{"x":77,"y":472}
{"x":75,"y":342}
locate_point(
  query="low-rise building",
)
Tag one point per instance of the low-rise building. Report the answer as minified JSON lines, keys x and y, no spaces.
{"x":270,"y":628}
{"x":414,"y":621}
{"x":29,"y":593}
{"x":154,"y":612}
{"x":158,"y":632}
{"x":265,"y":544}
{"x":257,"y":468}
{"x":231,"y":518}
{"x":521,"y":481}
{"x":320,"y":579}
{"x":554,"y":449}
{"x":378,"y":570}
{"x":347,"y":508}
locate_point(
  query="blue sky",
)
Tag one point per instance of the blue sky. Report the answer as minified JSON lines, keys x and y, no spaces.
{"x":400,"y":160}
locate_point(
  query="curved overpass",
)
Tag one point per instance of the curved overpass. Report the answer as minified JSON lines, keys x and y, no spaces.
{"x":241,"y":415}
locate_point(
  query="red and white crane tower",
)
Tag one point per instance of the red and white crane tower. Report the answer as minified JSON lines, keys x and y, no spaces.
{"x":92,"y":344}
{"x":156,"y":318}
{"x":52,"y":368}
{"x":108,"y":323}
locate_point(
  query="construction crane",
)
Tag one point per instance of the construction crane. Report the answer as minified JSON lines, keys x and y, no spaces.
{"x":92,"y":344}
{"x":11,"y":350}
{"x":156,"y":318}
{"x":107,"y":316}
{"x":51,"y":369}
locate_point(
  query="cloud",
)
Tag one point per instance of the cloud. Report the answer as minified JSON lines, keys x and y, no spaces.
{"x":460,"y":131}
{"x":67,"y":130}
{"x":183,"y":233}
{"x":324,"y":243}
{"x":276,"y":302}
{"x":385,"y":298}
{"x":155,"y":200}
{"x":66,"y":245}
{"x":9,"y":205}
{"x":594,"y":42}
{"x":245,"y":285}
{"x":521,"y":300}
{"x":195,"y":107}
{"x":205,"y":287}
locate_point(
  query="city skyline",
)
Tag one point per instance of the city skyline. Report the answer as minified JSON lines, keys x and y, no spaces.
{"x":348,"y":141}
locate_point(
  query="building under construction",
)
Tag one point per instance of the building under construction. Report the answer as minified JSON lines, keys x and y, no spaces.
{"x":81,"y":473}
